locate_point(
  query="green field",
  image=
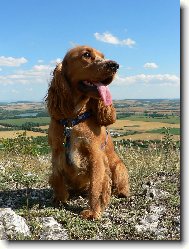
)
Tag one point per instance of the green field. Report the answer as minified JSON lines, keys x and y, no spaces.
{"x":152,"y":114}
{"x":21,"y":121}
{"x":169,"y":119}
{"x":172,"y":131}
{"x":46,"y":120}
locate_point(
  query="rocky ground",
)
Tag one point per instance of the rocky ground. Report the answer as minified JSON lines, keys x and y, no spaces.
{"x":143,"y":216}
{"x":152,"y":212}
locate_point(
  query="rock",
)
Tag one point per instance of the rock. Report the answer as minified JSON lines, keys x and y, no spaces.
{"x":52,"y":230}
{"x":150,"y":191}
{"x":160,"y":233}
{"x":150,"y":222}
{"x":12,"y":225}
{"x":2,"y":231}
{"x":147,"y":226}
{"x":157,"y":209}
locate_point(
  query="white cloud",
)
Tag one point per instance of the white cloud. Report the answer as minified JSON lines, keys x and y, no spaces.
{"x":109,"y":38}
{"x":41,"y":68}
{"x":37,"y":74}
{"x":150,"y":65}
{"x":12,"y":62}
{"x":56,"y":61}
{"x":160,"y":79}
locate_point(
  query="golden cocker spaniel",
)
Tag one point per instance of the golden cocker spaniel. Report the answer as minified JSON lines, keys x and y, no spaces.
{"x":80,"y":105}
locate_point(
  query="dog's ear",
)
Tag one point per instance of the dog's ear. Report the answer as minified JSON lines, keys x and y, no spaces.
{"x":104,"y":115}
{"x":59,"y":102}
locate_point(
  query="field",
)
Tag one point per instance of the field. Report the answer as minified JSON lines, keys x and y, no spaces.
{"x":21,"y":121}
{"x":147,"y":138}
{"x":14,"y":134}
{"x":143,"y":130}
{"x":136,"y":119}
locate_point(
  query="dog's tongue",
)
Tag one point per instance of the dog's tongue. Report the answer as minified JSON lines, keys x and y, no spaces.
{"x":104,"y":93}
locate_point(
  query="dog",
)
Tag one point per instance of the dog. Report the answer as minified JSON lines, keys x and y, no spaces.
{"x":80,"y":105}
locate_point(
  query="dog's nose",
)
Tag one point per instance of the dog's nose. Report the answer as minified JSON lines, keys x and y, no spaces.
{"x":112,"y":65}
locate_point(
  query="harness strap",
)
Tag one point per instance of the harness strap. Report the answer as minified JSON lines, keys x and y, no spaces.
{"x":72,"y":122}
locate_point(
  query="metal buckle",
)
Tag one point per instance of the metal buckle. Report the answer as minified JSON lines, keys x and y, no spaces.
{"x":67,"y":131}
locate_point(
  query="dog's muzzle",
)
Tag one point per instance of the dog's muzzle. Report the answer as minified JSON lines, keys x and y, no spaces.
{"x":112,"y":65}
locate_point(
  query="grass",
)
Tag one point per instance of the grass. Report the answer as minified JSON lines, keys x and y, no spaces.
{"x":170,"y":119}
{"x":21,"y":121}
{"x":154,"y":179}
{"x":173,"y":131}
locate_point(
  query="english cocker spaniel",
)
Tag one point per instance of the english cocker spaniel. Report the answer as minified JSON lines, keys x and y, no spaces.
{"x":80,"y":105}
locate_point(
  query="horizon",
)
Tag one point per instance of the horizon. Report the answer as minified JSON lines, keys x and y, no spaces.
{"x":142,"y":36}
{"x":40,"y":101}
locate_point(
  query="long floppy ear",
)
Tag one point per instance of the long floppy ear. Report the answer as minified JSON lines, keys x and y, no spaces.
{"x":105,"y":115}
{"x":59,"y":102}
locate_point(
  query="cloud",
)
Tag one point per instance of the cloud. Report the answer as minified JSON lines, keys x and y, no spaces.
{"x":12,"y":62}
{"x":150,"y":65}
{"x":56,"y":61}
{"x":37,"y":74}
{"x":41,"y":68}
{"x":160,"y":79}
{"x":109,"y":38}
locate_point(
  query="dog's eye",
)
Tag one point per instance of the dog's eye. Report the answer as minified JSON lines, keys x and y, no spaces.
{"x":87,"y":55}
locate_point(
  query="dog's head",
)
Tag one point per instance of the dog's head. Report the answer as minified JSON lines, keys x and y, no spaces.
{"x":89,"y":72}
{"x":81,"y":82}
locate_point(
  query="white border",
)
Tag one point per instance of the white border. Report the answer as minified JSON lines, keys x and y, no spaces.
{"x":185,"y":170}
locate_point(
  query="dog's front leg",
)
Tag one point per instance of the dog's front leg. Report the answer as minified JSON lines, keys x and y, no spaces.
{"x":57,"y":179}
{"x":100,"y":187}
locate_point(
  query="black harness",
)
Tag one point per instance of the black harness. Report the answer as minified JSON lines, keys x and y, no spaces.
{"x":68,"y":125}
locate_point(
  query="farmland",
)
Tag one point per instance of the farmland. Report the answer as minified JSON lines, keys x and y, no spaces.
{"x":136,"y":119}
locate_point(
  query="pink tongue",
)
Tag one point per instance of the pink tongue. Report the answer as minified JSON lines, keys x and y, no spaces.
{"x":104,"y":93}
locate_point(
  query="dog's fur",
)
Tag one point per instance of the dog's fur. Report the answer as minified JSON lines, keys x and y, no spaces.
{"x":92,"y":165}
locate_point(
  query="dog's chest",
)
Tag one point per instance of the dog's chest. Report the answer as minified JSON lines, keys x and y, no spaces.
{"x":76,"y":155}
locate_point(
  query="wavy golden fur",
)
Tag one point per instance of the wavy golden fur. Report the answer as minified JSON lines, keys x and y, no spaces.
{"x":90,"y":163}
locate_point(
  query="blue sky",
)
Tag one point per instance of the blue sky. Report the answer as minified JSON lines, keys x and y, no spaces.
{"x":143,"y":36}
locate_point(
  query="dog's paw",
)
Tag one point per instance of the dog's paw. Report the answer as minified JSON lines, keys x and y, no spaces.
{"x":90,"y":215}
{"x":123,"y":193}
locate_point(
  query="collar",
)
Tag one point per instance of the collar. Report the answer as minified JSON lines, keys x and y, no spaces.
{"x":72,"y":122}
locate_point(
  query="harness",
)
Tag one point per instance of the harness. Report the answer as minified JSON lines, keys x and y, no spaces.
{"x":68,"y":125}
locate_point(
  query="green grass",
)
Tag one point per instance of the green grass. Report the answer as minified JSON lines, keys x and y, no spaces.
{"x":25,"y":145}
{"x":170,"y":119}
{"x":24,"y":183}
{"x":21,"y":121}
{"x":46,"y":120}
{"x":172,"y":131}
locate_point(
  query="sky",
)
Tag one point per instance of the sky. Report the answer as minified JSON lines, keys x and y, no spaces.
{"x":143,"y":36}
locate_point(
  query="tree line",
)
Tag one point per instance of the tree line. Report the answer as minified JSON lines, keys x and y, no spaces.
{"x":28,"y":126}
